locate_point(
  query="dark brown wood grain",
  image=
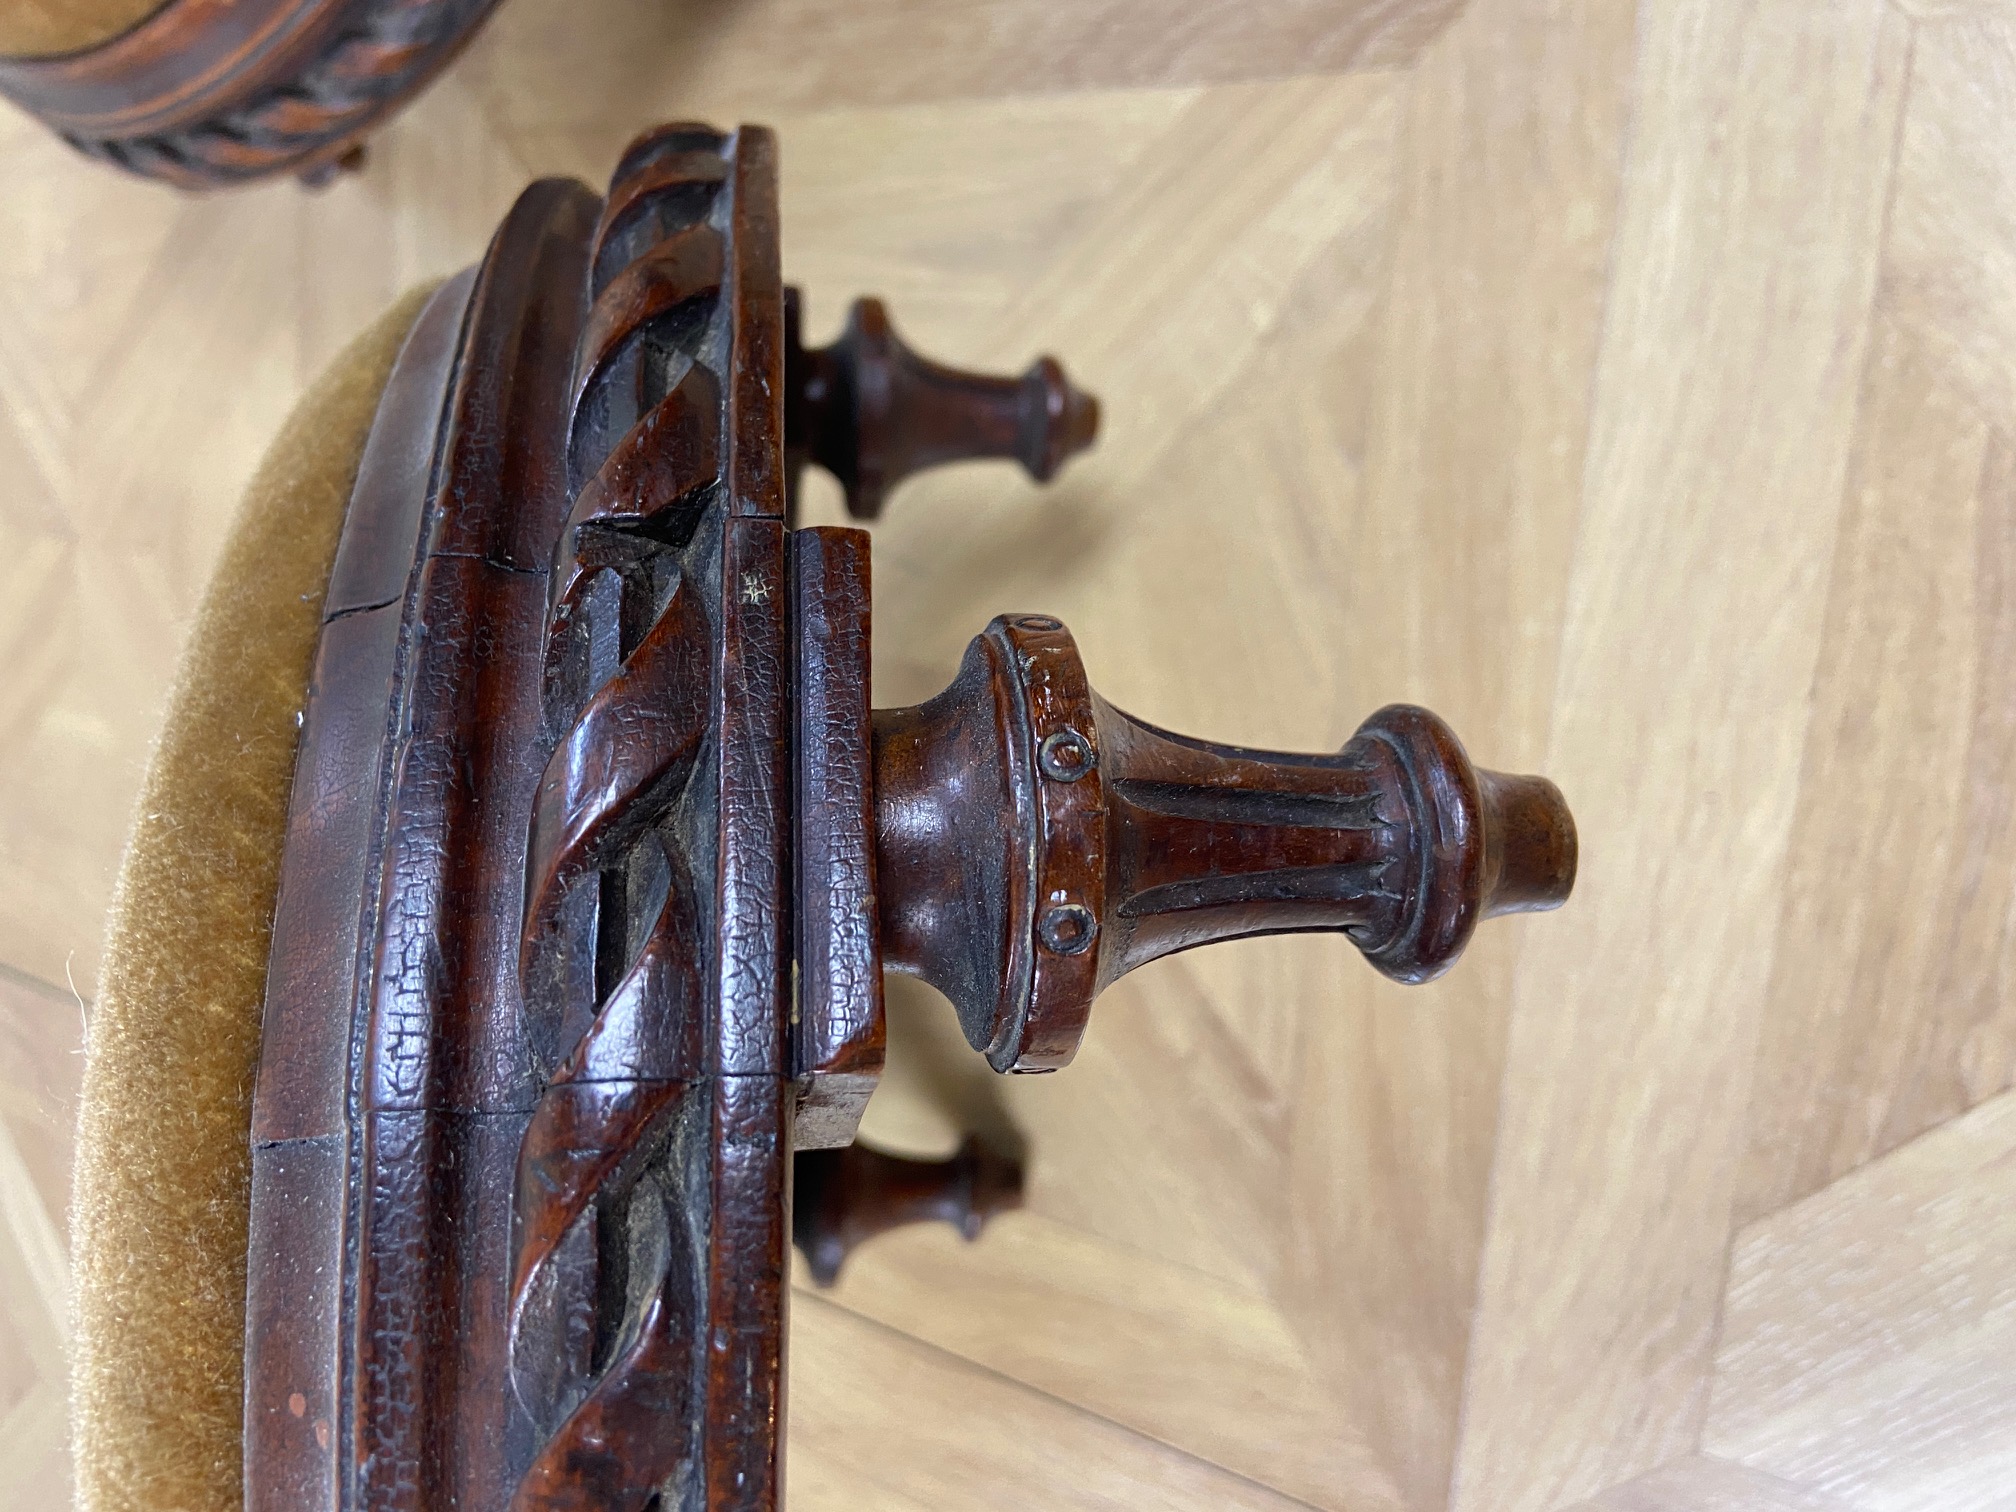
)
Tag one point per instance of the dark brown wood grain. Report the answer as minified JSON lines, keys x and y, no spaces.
{"x":872,"y":412}
{"x":1034,"y":843}
{"x":445,"y":1074}
{"x":838,"y":1041}
{"x":202,"y":94}
{"x":306,"y":1124}
{"x":528,"y":1010}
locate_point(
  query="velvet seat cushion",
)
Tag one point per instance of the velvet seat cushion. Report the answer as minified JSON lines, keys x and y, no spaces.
{"x":162,"y":1192}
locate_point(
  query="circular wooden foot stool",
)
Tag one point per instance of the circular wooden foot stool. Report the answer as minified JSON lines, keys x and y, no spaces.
{"x":203,"y":93}
{"x":470,"y":1183}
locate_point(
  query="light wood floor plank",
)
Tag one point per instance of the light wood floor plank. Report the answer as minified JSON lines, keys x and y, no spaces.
{"x":34,"y":1260}
{"x":968,"y":203}
{"x":1701,"y":1483}
{"x":1227,"y":284}
{"x":150,"y":344}
{"x":1168,"y":1352}
{"x":1868,"y":1341}
{"x":1889,"y":1010}
{"x":34,"y":1462}
{"x":1951,"y":262}
{"x":1243,"y":243}
{"x":881,"y":1420}
{"x":771,"y":57}
{"x":1745,"y":261}
{"x":41,"y":1065}
{"x":1450,"y":595}
{"x":41,"y":1031}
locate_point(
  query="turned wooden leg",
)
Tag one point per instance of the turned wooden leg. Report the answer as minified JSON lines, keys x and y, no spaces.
{"x":1033,"y":843}
{"x":846,"y":1197}
{"x":872,"y":412}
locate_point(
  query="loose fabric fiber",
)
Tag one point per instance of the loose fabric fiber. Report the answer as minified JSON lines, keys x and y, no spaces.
{"x":163,"y":1181}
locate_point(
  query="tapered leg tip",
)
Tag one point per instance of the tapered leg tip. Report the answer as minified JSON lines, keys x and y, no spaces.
{"x":1059,"y":420}
{"x":1530,"y":847}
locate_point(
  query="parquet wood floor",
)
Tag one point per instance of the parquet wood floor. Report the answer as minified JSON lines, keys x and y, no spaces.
{"x":1633,"y":381}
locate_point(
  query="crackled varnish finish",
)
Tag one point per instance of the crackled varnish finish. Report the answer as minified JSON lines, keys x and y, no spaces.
{"x":529,"y":976}
{"x":202,"y":94}
{"x":598,"y":853}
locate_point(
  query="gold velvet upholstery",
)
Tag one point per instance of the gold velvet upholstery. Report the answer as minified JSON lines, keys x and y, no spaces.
{"x":163,"y":1161}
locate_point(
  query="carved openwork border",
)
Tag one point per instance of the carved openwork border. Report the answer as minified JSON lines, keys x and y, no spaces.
{"x":647,"y":1266}
{"x":524,"y":1113}
{"x":606,"y":1262}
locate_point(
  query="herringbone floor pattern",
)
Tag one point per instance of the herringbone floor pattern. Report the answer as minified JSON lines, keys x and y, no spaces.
{"x":1633,"y":381}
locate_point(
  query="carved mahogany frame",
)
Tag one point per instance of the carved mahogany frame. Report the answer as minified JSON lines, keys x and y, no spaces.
{"x":521,"y":1128}
{"x":598,"y":852}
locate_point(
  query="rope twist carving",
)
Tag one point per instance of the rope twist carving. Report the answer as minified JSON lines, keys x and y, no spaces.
{"x":603,"y":1276}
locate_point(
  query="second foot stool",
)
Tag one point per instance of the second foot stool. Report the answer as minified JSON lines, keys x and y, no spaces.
{"x":596,"y":854}
{"x":206,"y":93}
